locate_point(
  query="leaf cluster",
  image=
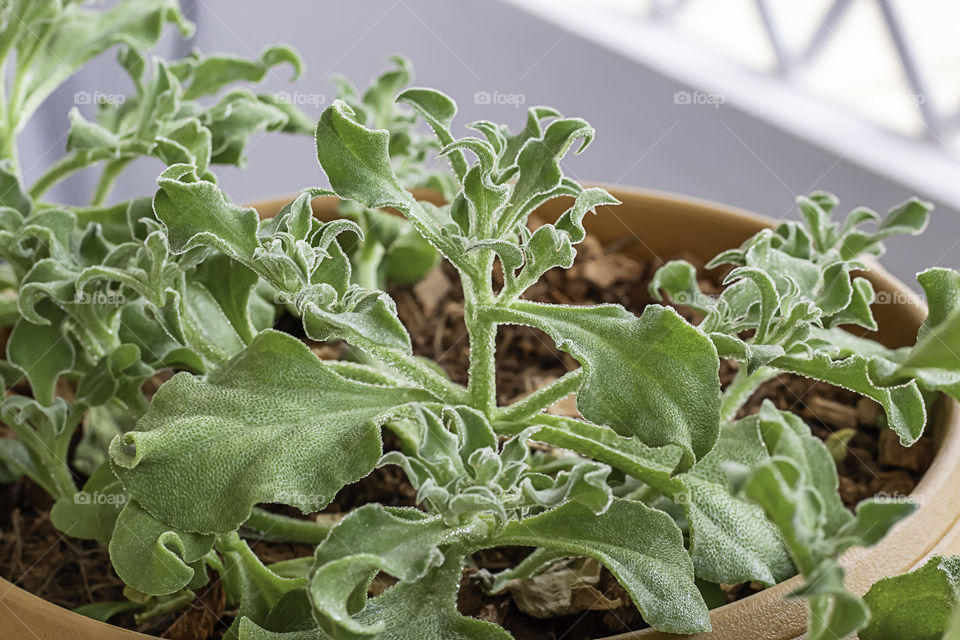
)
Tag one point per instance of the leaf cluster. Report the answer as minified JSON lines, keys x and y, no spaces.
{"x":658,"y":479}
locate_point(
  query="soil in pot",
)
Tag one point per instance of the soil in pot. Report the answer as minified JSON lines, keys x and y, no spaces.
{"x":34,"y":555}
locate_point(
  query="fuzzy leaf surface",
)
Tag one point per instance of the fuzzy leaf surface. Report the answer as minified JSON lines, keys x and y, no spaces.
{"x":653,"y":377}
{"x":275,"y":424}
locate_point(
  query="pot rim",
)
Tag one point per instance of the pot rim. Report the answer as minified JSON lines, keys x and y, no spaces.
{"x":762,"y":615}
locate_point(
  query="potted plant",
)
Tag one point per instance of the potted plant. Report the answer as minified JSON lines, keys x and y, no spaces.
{"x":660,"y":475}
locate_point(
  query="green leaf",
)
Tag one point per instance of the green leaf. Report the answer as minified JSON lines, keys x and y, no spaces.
{"x":424,"y":609}
{"x":12,"y":193}
{"x":152,"y":557}
{"x":791,"y":499}
{"x":231,"y":285}
{"x":538,"y":163}
{"x":105,"y":610}
{"x":234,"y":119}
{"x":438,"y":110}
{"x":731,"y":541}
{"x":43,"y":353}
{"x":356,"y":160}
{"x":642,"y":547}
{"x":88,"y":136}
{"x":935,"y":360}
{"x":249,"y":630}
{"x":252,"y":587}
{"x":212,"y":73}
{"x":368,"y":315}
{"x":274,"y":424}
{"x":902,"y":403}
{"x":914,"y":606}
{"x":652,"y":377}
{"x":679,"y":279}
{"x":357,"y":163}
{"x":196,"y":214}
{"x":91,"y":514}
{"x":407,"y":541}
{"x":83,"y":33}
{"x":404,"y":543}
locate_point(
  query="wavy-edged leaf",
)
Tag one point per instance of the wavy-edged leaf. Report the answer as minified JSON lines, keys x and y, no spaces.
{"x":12,"y":193}
{"x":917,"y":605}
{"x":274,"y":424}
{"x":935,"y":360}
{"x":438,"y":110}
{"x":152,"y":557}
{"x":196,"y":214}
{"x":902,"y":403}
{"x":424,"y":609}
{"x":368,"y":315}
{"x":43,"y":353}
{"x":253,"y":588}
{"x":642,"y":547}
{"x":653,"y":376}
{"x":212,"y":73}
{"x":91,"y":514}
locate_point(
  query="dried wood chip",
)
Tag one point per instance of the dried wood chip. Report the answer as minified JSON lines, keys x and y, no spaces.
{"x":432,"y":290}
{"x":831,"y":412}
{"x":606,"y":270}
{"x":892,"y":454}
{"x":567,"y":587}
{"x":868,"y":411}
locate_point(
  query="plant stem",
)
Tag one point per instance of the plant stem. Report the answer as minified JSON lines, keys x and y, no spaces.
{"x":8,"y":149}
{"x":276,"y":526}
{"x":60,"y":170}
{"x":367,"y":265}
{"x":482,"y":332}
{"x":415,"y":370}
{"x":482,"y":386}
{"x":542,"y":398}
{"x":110,"y":172}
{"x":741,"y":388}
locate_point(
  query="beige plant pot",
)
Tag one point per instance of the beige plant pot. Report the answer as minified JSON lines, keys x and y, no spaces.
{"x":667,"y":225}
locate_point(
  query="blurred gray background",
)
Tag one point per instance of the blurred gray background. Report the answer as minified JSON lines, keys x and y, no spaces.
{"x":477,"y":49}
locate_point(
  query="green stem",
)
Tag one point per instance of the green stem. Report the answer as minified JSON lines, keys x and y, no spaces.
{"x":60,"y":170}
{"x":110,"y":172}
{"x":482,"y":386}
{"x":164,"y":605}
{"x":741,"y":388}
{"x":275,"y":526}
{"x":414,"y":370}
{"x":482,"y":333}
{"x":366,"y":265}
{"x":48,"y":470}
{"x":8,"y":151}
{"x":542,"y":398}
{"x":601,"y":444}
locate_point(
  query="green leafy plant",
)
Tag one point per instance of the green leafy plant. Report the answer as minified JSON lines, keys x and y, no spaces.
{"x":712,"y":499}
{"x":665,"y":482}
{"x":92,"y":292}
